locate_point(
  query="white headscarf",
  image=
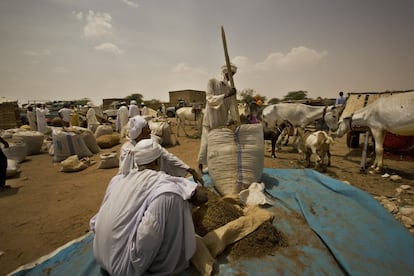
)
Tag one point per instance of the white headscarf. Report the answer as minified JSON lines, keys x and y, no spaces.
{"x":232,"y":66}
{"x":135,"y":126}
{"x":146,"y":151}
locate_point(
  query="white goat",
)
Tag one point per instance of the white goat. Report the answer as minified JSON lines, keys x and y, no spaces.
{"x":318,"y":143}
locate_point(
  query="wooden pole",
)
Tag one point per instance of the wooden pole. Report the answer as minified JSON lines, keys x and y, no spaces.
{"x":230,"y":75}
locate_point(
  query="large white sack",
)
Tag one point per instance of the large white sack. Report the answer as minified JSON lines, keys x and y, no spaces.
{"x":32,"y":139}
{"x":103,"y":130}
{"x":162,"y":129}
{"x":87,"y":136}
{"x":12,"y":168}
{"x":109,"y":160}
{"x":66,"y":144}
{"x":235,"y":159}
{"x":16,"y":151}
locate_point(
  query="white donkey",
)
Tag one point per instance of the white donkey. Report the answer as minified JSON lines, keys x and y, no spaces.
{"x":394,"y":114}
{"x":186,"y":114}
{"x":300,"y":116}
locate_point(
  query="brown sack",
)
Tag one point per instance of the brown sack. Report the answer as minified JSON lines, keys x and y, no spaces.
{"x":108,"y":140}
{"x":217,"y":240}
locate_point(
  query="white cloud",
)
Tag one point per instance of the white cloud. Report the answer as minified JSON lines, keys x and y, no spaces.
{"x":181,"y":68}
{"x":98,"y":24}
{"x":109,"y":48}
{"x":131,"y":3}
{"x":78,"y":15}
{"x":185,"y":68}
{"x":40,"y":53}
{"x":296,"y":59}
{"x":61,"y":70}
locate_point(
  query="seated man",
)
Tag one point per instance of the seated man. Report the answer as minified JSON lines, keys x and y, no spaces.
{"x":144,"y":225}
{"x":138,"y":129}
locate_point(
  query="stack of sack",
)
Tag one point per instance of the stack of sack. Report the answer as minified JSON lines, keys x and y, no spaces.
{"x":106,"y":137}
{"x":73,"y":141}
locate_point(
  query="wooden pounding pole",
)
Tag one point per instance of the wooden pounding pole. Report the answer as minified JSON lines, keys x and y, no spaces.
{"x":230,"y":75}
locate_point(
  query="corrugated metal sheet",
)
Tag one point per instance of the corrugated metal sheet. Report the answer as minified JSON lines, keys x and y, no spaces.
{"x":358,"y":100}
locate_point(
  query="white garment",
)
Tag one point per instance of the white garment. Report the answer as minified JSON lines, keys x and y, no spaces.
{"x":217,"y":112}
{"x":65,"y":114}
{"x":91,"y":117}
{"x":121,"y":118}
{"x":170,"y":164}
{"x":41,"y":119}
{"x":133,"y":110}
{"x":135,"y":126}
{"x":144,"y":225}
{"x":144,"y":111}
{"x":31,"y":117}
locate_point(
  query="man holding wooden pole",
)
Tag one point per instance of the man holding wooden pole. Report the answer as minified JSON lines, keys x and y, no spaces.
{"x":221,"y":104}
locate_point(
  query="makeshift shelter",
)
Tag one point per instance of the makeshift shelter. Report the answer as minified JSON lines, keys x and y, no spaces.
{"x":10,"y":114}
{"x":332,"y":228}
{"x":358,"y":100}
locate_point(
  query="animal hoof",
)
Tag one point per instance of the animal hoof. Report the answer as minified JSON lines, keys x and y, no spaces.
{"x":273,"y":156}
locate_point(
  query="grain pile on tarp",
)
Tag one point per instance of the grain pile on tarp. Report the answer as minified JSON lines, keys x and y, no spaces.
{"x":247,"y":233}
{"x":235,"y":158}
{"x":32,"y":139}
{"x":66,"y":144}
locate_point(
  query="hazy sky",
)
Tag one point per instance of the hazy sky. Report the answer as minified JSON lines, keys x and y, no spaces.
{"x":67,"y":50}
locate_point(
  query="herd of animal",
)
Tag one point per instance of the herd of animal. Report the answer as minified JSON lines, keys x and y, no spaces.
{"x":394,"y":114}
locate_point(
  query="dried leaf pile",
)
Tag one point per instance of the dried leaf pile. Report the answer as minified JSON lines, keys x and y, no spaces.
{"x":216,"y":213}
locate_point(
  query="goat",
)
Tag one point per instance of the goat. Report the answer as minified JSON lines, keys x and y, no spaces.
{"x":317,"y":143}
{"x":273,"y":135}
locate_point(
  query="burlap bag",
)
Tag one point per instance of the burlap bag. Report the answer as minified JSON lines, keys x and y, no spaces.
{"x":108,"y":140}
{"x":109,"y":160}
{"x":72,"y":164}
{"x":66,"y":144}
{"x":214,"y":242}
{"x":235,"y":158}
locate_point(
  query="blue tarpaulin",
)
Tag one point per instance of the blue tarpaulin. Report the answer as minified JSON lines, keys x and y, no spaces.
{"x":331,"y":228}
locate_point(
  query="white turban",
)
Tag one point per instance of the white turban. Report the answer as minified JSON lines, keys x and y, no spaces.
{"x":146,"y":151}
{"x":133,"y":102}
{"x":232,"y":66}
{"x":135,"y":126}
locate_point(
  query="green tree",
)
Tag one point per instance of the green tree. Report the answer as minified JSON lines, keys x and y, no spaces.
{"x":296,"y":95}
{"x":248,"y":95}
{"x":136,"y":96}
{"x":274,"y":101}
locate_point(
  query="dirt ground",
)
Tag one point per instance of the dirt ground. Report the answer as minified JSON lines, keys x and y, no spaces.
{"x":46,"y":208}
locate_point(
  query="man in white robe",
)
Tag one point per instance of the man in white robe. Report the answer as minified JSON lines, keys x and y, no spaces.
{"x":133,"y":109}
{"x":219,"y":111}
{"x":91,"y":119}
{"x":64,"y":114}
{"x":41,"y":111}
{"x":137,"y":130}
{"x":121,"y":119}
{"x":144,"y":225}
{"x":31,"y":117}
